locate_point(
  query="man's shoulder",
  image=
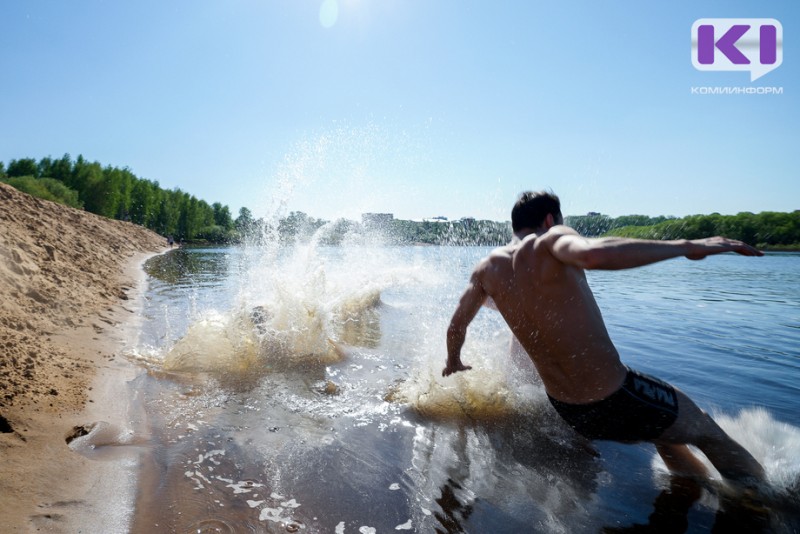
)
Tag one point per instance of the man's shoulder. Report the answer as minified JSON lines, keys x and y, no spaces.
{"x":559,"y":231}
{"x":552,"y":235}
{"x":548,"y":238}
{"x":495,"y":258}
{"x":535,"y":248}
{"x":501,"y":252}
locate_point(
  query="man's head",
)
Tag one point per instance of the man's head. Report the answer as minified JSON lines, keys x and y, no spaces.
{"x":532,"y":209}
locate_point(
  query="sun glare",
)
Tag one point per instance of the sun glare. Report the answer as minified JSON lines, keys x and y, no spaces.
{"x":328,"y":13}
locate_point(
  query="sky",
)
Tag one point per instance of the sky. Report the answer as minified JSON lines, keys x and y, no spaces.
{"x":419,"y":108}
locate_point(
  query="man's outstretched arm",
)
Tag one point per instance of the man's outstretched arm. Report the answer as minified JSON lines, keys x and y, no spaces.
{"x":471,"y":301}
{"x":624,"y":253}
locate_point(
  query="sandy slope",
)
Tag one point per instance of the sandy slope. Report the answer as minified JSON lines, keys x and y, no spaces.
{"x":67,"y":282}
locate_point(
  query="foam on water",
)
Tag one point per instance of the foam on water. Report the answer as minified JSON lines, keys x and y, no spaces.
{"x":104,"y":441}
{"x":774,"y":444}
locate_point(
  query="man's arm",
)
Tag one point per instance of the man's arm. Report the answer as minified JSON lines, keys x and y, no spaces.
{"x":571,"y":248}
{"x":471,"y":301}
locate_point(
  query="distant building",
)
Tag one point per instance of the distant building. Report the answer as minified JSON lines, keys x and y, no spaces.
{"x":436,"y":219}
{"x":593,"y":214}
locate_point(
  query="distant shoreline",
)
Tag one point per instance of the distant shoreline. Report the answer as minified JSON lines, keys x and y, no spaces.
{"x":199,"y":244}
{"x":191,"y":220}
{"x":787,"y":248}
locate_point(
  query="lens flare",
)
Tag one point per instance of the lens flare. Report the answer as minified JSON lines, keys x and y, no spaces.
{"x":328,"y":13}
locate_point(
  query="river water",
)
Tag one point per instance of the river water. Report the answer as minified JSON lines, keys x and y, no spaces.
{"x":299,"y":389}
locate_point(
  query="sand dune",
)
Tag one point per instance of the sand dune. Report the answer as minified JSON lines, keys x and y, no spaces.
{"x":66,"y":277}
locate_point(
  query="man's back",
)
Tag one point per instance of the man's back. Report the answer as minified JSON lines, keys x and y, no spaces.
{"x":552,"y":312}
{"x":540,"y":288}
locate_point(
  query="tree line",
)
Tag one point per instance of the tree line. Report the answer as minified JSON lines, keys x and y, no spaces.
{"x":767,"y":229}
{"x":597,"y":224}
{"x":119,"y":194}
{"x":298,"y":226}
{"x":770,"y":230}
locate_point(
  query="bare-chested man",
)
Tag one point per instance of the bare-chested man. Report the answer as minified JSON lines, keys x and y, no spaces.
{"x":539,"y":286}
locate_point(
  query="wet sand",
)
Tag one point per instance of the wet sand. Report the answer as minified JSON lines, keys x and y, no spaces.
{"x":69,"y":282}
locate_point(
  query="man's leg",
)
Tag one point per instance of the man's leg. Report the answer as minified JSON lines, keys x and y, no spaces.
{"x":695,"y":427}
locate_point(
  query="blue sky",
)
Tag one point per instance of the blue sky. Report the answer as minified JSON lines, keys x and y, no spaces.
{"x":415,"y":107}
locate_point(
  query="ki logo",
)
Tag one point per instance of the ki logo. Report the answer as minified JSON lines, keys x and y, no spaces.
{"x":754,"y":45}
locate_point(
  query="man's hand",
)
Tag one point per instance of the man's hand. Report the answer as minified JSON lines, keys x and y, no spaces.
{"x":700,"y":248}
{"x":450,"y":369}
{"x":469,"y":304}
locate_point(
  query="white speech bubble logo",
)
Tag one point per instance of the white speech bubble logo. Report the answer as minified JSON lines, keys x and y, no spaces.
{"x":754,"y":45}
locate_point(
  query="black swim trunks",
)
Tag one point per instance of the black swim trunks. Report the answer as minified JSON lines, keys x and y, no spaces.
{"x":640,"y":410}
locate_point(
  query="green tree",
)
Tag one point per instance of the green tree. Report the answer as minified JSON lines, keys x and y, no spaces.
{"x":61,"y":169}
{"x":244,"y":222}
{"x":100,"y":188}
{"x":45,"y":167}
{"x":82,"y":174}
{"x":154,"y":197}
{"x":126,"y":182}
{"x":298,"y":225}
{"x":214,"y":233}
{"x":638,"y":220}
{"x":142,"y":203}
{"x":165,"y":220}
{"x":776,"y":228}
{"x":23,"y":167}
{"x":590,"y":225}
{"x":46,"y":188}
{"x":205,"y":214}
{"x":222,"y":216}
{"x":338,"y":231}
{"x":181,"y":204}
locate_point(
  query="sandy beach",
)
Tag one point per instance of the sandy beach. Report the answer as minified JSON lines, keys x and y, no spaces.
{"x":69,"y":282}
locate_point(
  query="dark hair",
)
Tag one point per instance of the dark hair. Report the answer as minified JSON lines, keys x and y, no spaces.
{"x":532,"y":209}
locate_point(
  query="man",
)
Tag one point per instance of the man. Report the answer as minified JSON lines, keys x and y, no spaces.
{"x":539,"y":286}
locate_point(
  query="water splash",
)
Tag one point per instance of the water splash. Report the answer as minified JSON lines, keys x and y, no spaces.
{"x":299,"y":304}
{"x":774,"y":444}
{"x":500,"y":384}
{"x":224,"y":343}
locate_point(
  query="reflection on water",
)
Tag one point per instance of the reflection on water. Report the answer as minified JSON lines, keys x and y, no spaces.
{"x":299,"y":389}
{"x":190,"y":266}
